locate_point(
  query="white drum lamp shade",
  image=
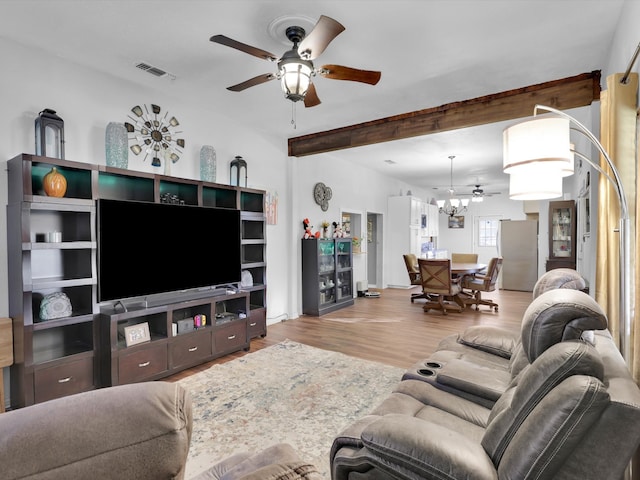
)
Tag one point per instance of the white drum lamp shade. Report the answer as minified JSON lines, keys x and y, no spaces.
{"x":536,"y":145}
{"x":534,"y":185}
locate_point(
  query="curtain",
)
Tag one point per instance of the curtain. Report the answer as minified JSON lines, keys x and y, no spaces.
{"x":618,"y":136}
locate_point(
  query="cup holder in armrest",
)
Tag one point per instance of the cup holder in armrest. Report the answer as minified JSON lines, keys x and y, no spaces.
{"x":424,"y":371}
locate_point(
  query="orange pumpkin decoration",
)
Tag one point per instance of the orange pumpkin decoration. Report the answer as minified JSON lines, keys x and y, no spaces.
{"x":54,"y":183}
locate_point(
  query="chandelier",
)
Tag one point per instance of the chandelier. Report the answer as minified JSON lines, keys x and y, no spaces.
{"x":453,"y":206}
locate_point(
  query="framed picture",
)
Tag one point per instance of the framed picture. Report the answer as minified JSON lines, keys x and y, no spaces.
{"x":135,"y":334}
{"x":456,"y":221}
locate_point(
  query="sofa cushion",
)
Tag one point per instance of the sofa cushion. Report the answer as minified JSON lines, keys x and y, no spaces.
{"x":495,"y":340}
{"x":559,"y":362}
{"x":277,"y":462}
{"x":559,"y":278}
{"x":550,"y":433}
{"x":559,"y":315}
{"x":139,"y":431}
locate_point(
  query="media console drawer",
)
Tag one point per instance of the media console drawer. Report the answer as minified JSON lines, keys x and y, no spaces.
{"x":142,"y":364}
{"x":191,"y":348}
{"x":65,"y":379}
{"x":231,"y":337}
{"x":257,"y":323}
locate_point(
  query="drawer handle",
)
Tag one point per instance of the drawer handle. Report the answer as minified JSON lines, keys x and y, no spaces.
{"x":253,"y":324}
{"x":193,"y":349}
{"x":231,"y":337}
{"x":144,"y":364}
{"x":64,"y":380}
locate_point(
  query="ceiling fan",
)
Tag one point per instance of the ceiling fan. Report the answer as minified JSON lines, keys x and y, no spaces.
{"x":295,"y":66}
{"x":477,"y":194}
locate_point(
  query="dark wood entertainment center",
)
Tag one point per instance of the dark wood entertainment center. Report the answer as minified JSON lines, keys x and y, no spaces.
{"x":86,"y":350}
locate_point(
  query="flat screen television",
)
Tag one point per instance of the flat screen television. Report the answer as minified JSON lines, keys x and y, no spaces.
{"x":152,"y":248}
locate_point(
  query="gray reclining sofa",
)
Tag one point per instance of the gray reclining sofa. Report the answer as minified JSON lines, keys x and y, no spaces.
{"x":570,"y":411}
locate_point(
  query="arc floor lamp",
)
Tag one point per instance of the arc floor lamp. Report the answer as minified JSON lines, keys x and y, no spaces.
{"x":539,"y":149}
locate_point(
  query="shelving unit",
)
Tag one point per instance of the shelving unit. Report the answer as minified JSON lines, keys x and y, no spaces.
{"x":59,"y":357}
{"x":53,"y":357}
{"x":562,"y":235}
{"x":254,"y":255}
{"x":327,"y":275}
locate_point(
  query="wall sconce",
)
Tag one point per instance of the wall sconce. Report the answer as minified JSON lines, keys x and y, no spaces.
{"x":49,"y":134}
{"x":238,"y":172}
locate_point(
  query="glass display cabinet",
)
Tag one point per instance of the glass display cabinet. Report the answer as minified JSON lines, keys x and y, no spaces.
{"x":327,"y":275}
{"x":562,"y":235}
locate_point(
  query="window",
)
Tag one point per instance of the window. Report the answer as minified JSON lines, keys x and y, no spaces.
{"x":488,"y":232}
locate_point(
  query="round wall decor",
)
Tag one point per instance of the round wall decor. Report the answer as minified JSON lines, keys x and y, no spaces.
{"x":322,"y":194}
{"x":154,"y":134}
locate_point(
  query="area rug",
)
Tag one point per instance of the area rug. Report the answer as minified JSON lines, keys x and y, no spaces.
{"x":288,"y":392}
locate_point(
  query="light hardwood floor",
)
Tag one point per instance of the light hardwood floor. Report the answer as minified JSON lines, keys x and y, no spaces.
{"x":389,"y":329}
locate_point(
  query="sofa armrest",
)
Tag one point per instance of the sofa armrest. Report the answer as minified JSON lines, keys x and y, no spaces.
{"x":427,"y":450}
{"x":496,"y":340}
{"x":139,"y":431}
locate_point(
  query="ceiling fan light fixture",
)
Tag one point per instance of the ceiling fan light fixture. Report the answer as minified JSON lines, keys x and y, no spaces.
{"x":455,"y":206}
{"x":477,"y":198}
{"x":295,"y":77}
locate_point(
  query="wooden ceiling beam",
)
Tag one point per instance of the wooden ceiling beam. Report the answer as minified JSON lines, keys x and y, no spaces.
{"x":571,"y":92}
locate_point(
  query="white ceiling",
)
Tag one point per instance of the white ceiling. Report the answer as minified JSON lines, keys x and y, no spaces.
{"x":430,"y":52}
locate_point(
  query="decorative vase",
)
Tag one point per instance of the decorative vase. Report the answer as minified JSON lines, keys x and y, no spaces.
{"x":116,"y":142}
{"x":208,"y":163}
{"x":54,"y":183}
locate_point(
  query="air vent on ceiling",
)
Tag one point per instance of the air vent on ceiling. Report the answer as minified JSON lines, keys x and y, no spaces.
{"x":158,"y":72}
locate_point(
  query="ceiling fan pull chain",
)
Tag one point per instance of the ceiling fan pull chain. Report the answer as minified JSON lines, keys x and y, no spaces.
{"x":294,"y":120}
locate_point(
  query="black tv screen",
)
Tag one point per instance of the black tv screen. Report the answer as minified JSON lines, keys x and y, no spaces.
{"x":151,"y":248}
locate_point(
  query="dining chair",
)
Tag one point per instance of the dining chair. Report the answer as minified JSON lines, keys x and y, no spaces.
{"x":411,"y":262}
{"x":464,"y":258}
{"x":442,"y":291}
{"x":479,"y":283}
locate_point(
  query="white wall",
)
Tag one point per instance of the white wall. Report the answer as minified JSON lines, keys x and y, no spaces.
{"x":88,"y":100}
{"x":354,"y":189}
{"x":461,"y":240}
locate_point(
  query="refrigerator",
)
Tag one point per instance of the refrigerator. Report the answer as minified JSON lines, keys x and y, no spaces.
{"x":518,"y":247}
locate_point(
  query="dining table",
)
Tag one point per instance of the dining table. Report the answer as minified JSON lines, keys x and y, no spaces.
{"x":466,"y":268}
{"x":460,"y":270}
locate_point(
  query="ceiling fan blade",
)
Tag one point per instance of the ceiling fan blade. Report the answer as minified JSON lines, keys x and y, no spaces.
{"x":311,"y":97}
{"x":324,"y":31}
{"x":243,"y":47}
{"x":252,"y":82}
{"x":338,"y":72}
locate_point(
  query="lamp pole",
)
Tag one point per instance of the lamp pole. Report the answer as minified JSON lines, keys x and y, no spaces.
{"x":624,"y":308}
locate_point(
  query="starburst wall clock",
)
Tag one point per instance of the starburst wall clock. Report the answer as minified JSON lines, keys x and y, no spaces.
{"x":154,"y":134}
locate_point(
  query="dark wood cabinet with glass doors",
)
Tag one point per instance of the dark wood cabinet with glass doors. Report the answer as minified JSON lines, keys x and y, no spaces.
{"x":562,"y":235}
{"x":327,"y":275}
